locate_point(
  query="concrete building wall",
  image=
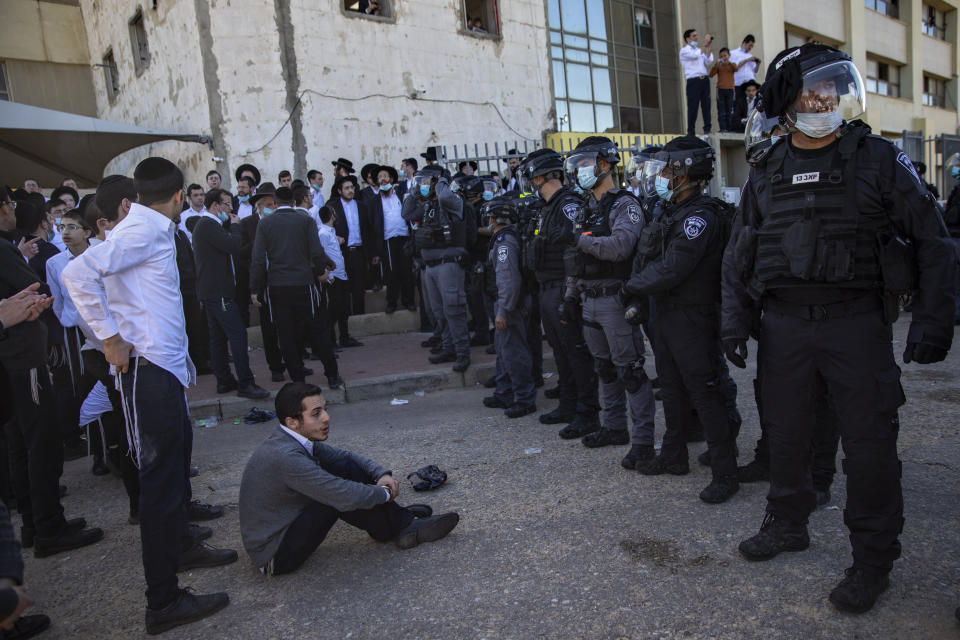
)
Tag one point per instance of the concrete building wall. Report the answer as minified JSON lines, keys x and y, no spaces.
{"x":886,"y":37}
{"x":825,"y":17}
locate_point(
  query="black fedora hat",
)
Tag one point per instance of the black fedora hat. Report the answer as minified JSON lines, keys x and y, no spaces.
{"x":369,"y":168}
{"x":431,"y":154}
{"x":252,"y":169}
{"x":265,"y":189}
{"x":472,"y":163}
{"x":346,"y":164}
{"x":394,"y":176}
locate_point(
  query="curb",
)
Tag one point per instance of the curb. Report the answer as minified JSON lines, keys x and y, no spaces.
{"x":363,"y":389}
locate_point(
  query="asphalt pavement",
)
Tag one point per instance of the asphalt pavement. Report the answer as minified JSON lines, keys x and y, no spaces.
{"x":555,"y":540}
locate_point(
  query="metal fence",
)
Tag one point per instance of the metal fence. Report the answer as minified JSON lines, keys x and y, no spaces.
{"x":490,"y":157}
{"x":933,"y":152}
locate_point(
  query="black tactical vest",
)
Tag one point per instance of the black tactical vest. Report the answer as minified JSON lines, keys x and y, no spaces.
{"x":439,"y":229}
{"x":597,"y":222}
{"x":812,"y":231}
{"x":544,"y":257}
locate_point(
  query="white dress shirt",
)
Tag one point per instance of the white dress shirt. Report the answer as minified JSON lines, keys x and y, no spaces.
{"x":331,"y":246}
{"x":393,"y":223}
{"x":352,"y":213}
{"x":318,"y":200}
{"x":62,"y":304}
{"x":130,"y":285}
{"x":186,"y":215}
{"x":244,"y":209}
{"x":747,"y":71}
{"x":694,"y":61}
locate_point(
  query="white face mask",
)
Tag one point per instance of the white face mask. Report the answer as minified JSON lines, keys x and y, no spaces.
{"x":819,"y":125}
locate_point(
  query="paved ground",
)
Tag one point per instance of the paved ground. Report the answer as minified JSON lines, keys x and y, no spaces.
{"x":557,"y":544}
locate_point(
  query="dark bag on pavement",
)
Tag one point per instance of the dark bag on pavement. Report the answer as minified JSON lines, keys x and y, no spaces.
{"x":429,"y":477}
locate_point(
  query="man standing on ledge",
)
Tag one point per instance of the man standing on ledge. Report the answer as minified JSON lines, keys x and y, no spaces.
{"x":695,"y":63}
{"x":295,"y":488}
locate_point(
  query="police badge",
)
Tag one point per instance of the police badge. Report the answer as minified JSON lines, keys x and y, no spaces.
{"x":694,"y":226}
{"x":502,"y":254}
{"x":634,"y":213}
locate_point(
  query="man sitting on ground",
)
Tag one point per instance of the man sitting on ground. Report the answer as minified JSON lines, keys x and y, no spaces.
{"x":295,"y":488}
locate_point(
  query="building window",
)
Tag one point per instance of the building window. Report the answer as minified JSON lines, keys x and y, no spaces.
{"x":4,"y":87}
{"x":934,"y":22}
{"x":110,"y":74}
{"x":138,"y":39}
{"x":883,"y":78}
{"x":889,"y":8}
{"x":379,"y":8}
{"x":481,"y":17}
{"x":644,"y":28}
{"x":934,"y":92}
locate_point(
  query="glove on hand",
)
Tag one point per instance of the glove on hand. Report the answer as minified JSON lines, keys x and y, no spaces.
{"x":736,"y":351}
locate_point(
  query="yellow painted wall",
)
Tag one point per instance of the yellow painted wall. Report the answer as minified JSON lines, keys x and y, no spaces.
{"x":43,"y":32}
{"x":566,"y":142}
{"x":886,"y":37}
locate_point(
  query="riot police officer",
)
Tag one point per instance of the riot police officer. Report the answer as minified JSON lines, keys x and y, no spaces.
{"x":541,"y":174}
{"x":597,"y":262}
{"x":515,"y":391}
{"x":678,"y":263}
{"x":833,"y":222}
{"x":951,"y":213}
{"x":470,"y":189}
{"x":440,"y":236}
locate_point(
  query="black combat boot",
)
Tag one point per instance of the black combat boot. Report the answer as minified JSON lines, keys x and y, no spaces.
{"x":720,"y":489}
{"x":659,"y":465}
{"x":579,"y":427}
{"x":603,"y":437}
{"x":638,"y":453}
{"x":859,"y":590}
{"x":776,"y":534}
{"x":557,"y":416}
{"x":754,"y":471}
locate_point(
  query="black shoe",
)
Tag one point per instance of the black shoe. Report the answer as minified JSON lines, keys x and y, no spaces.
{"x":202,"y":555}
{"x":197,"y":511}
{"x":198,"y":533}
{"x":431,"y":341}
{"x":490,"y":383}
{"x":351,"y":342}
{"x":637,"y":453}
{"x":99,"y":468}
{"x":28,"y":535}
{"x":493,"y":402}
{"x":579,"y":428}
{"x":462,"y":364}
{"x":390,"y":308}
{"x":557,"y":416}
{"x":859,"y":590}
{"x":754,"y":471}
{"x":26,"y":627}
{"x":410,"y":307}
{"x":434,"y":350}
{"x":66,"y":541}
{"x":420,"y":510}
{"x":491,"y":350}
{"x":277,"y":376}
{"x":426,"y":530}
{"x":552,"y":394}
{"x":194,"y":471}
{"x":187,"y":608}
{"x":306,"y":371}
{"x":776,"y":534}
{"x":605,"y":437}
{"x":334,"y":382}
{"x":520,"y":410}
{"x":443,"y":356}
{"x":226,"y":387}
{"x":253,"y":392}
{"x":823,"y":497}
{"x":659,"y":465}
{"x":720,"y":489}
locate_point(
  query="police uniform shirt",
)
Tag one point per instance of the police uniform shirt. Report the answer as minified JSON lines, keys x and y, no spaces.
{"x":505,"y":257}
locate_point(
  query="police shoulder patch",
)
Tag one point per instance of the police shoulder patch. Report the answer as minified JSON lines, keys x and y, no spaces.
{"x":904,"y":161}
{"x":502,"y":254}
{"x":693,"y":227}
{"x":571,"y":210}
{"x":634,"y":212}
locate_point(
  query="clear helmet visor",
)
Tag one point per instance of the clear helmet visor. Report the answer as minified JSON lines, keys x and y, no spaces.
{"x":421,"y":179}
{"x":634,"y":167}
{"x":953,"y":161}
{"x":648,"y":176}
{"x":580,"y":160}
{"x":834,"y":87}
{"x":524,"y":184}
{"x":760,"y":128}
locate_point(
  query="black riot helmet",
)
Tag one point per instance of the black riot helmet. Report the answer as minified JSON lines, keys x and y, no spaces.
{"x":541,"y":162}
{"x":684,"y":156}
{"x":813,"y":89}
{"x":581,"y":166}
{"x":502,"y":210}
{"x":470,"y":187}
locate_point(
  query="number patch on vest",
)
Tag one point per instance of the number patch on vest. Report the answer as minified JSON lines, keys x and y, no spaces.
{"x":801,"y":178}
{"x":694,"y":226}
{"x":502,"y":254}
{"x":571,"y":210}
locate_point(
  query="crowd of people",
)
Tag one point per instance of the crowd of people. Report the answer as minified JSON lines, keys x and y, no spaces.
{"x":113,"y":303}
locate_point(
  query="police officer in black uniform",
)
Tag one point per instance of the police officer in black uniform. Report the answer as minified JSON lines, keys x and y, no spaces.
{"x":833,"y":223}
{"x":952,"y":215}
{"x":541,"y":174}
{"x":678,"y":263}
{"x":597,"y":263}
{"x":470,"y":190}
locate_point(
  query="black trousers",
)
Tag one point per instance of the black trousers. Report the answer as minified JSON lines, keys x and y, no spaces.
{"x":196,"y":326}
{"x":688,"y":363}
{"x":398,"y":272}
{"x":535,"y":338}
{"x":157,"y":405}
{"x":35,"y":447}
{"x":224,"y":325}
{"x":854,"y":358}
{"x":65,"y":369}
{"x":698,"y":97}
{"x":356,"y":266}
{"x":476,"y":301}
{"x":271,"y":343}
{"x":305,"y":534}
{"x":114,"y":437}
{"x":575,"y":370}
{"x":294,"y":311}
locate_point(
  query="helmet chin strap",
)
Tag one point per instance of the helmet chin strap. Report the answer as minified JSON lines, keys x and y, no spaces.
{"x":690,"y":185}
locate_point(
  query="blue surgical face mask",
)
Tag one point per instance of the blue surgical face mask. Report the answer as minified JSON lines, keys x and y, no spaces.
{"x":223,"y":217}
{"x":267,"y":211}
{"x":694,"y":44}
{"x":424,"y":190}
{"x":586,"y":177}
{"x":663,"y":188}
{"x":243,"y":198}
{"x":955,"y":172}
{"x":488,"y":195}
{"x":386,"y":187}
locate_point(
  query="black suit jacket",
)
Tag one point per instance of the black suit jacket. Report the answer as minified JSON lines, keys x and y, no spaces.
{"x":401,"y":188}
{"x":363,"y":212}
{"x":376,"y":227}
{"x":740,"y":112}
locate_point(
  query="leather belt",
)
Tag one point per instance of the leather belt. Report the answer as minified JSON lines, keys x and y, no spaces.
{"x":443,"y":260}
{"x":602,"y":292}
{"x":830,"y":311}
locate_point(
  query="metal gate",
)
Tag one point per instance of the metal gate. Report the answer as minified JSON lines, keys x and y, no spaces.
{"x":490,"y":157}
{"x":933,"y":152}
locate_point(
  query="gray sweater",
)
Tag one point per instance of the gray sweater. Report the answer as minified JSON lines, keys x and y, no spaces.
{"x":281,"y":479}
